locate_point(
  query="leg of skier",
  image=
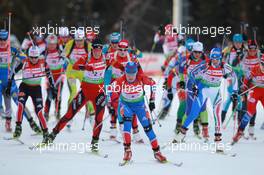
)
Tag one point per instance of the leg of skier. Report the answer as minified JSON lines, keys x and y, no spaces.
{"x":253,"y":97}
{"x":193,"y":113}
{"x":75,"y":105}
{"x":48,"y":102}
{"x":215,"y":98}
{"x":36,"y":96}
{"x":181,"y":110}
{"x":26,"y":113}
{"x":8,"y":111}
{"x":98,"y":101}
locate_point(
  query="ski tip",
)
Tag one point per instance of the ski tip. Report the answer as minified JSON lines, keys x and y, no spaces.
{"x":125,"y":162}
{"x":179,"y":164}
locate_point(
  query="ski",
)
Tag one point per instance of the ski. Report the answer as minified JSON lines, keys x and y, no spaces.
{"x":111,"y":140}
{"x":250,"y":137}
{"x":39,"y":145}
{"x":125,"y":162}
{"x":177,"y":164}
{"x":36,"y":134}
{"x":15,"y":139}
{"x":224,"y":153}
{"x":98,"y":154}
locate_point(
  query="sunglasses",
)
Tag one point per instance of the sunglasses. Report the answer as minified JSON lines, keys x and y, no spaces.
{"x":33,"y":57}
{"x":197,"y":52}
{"x":97,"y":46}
{"x":122,"y":49}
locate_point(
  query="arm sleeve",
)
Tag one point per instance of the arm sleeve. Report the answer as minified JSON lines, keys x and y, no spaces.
{"x":228,"y":72}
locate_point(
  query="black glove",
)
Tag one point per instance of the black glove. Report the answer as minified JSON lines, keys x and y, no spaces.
{"x":165,"y":84}
{"x":111,"y":110}
{"x":8,"y":88}
{"x":234,"y":99}
{"x":195,"y":90}
{"x":170,"y":95}
{"x":182,"y":84}
{"x":151,"y":105}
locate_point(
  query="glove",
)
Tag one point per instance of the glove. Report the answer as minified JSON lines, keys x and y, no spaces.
{"x":165,"y":84}
{"x":182,"y":84}
{"x":151,"y":105}
{"x":234,"y":99}
{"x":8,"y":88}
{"x":195,"y":90}
{"x":88,"y":67}
{"x":170,"y":95}
{"x":111,"y":110}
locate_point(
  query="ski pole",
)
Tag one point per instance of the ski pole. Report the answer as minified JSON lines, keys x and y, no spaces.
{"x":242,"y":93}
{"x":58,"y":98}
{"x":18,"y":79}
{"x":157,"y":119}
{"x":9,"y":41}
{"x":229,"y":119}
{"x":101,"y":122}
{"x":150,"y":112}
{"x":84,"y":122}
{"x":30,"y":38}
{"x":255,"y":34}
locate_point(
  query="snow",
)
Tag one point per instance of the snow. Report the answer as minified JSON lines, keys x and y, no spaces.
{"x":18,"y":159}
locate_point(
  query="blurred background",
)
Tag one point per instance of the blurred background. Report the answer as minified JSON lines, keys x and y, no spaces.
{"x":142,"y":18}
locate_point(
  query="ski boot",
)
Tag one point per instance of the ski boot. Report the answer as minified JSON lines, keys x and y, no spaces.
{"x":8,"y":124}
{"x":180,"y":136}
{"x":34,"y":126}
{"x":238,"y":135}
{"x":94,"y":145}
{"x":178,"y":126}
{"x":51,"y":137}
{"x":128,"y":153}
{"x":136,"y":137}
{"x":45,"y":136}
{"x":218,"y":145}
{"x":251,"y":133}
{"x":18,"y":130}
{"x":196,"y":129}
{"x":158,"y":156}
